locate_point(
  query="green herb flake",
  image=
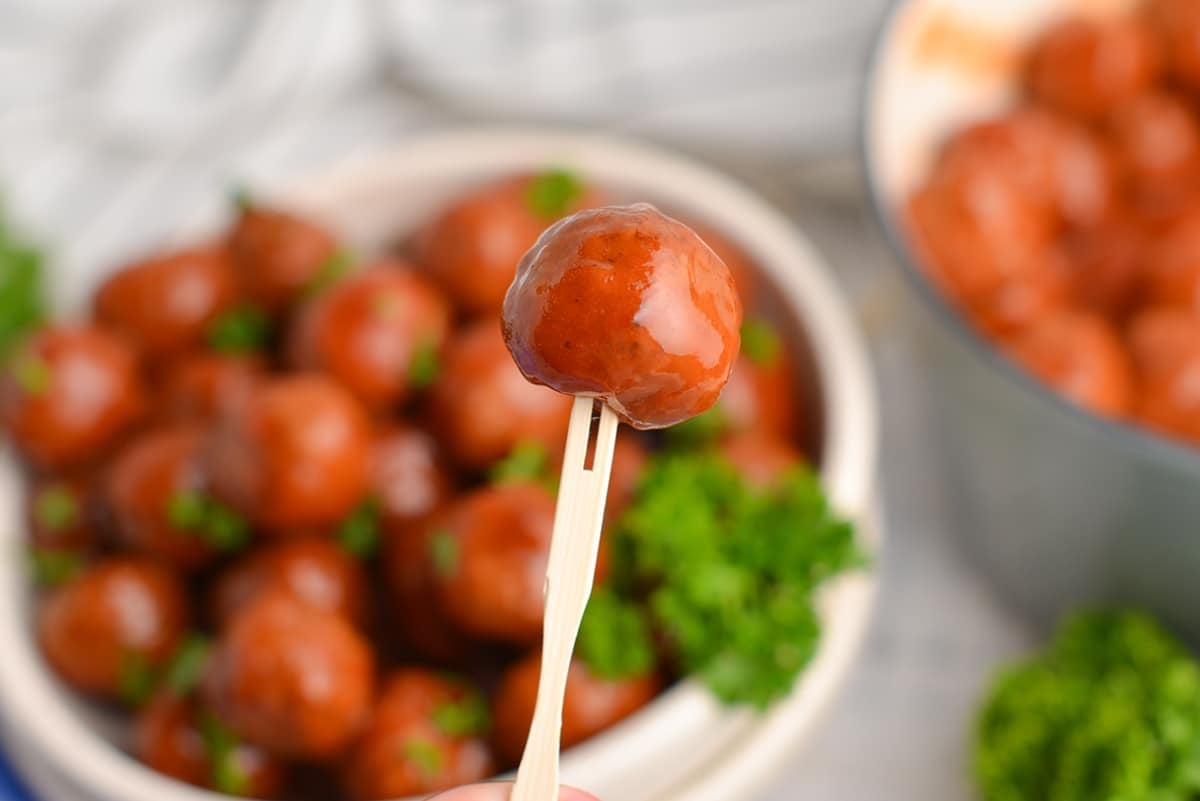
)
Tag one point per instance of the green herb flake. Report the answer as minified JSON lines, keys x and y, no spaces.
{"x":187,"y":664}
{"x":425,"y":755}
{"x":528,"y":461}
{"x":136,"y":679}
{"x":240,"y":330}
{"x":218,"y":525}
{"x":615,"y":638}
{"x":467,"y":717}
{"x":552,"y":193}
{"x":760,"y":341}
{"x":30,"y":372}
{"x":359,"y":533}
{"x":701,"y":430}
{"x":52,"y":568}
{"x":187,"y":510}
{"x":22,"y":293}
{"x":425,"y":365}
{"x":55,"y":508}
{"x":443,"y":551}
{"x":241,"y":199}
{"x":329,"y":273}
{"x":222,"y":745}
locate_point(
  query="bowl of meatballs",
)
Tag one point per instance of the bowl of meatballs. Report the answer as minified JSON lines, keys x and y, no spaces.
{"x":1035,"y":165}
{"x":279,"y":499}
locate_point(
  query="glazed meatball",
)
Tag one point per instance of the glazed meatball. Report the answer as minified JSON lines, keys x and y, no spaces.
{"x":313,"y":570}
{"x":1107,"y":264}
{"x":590,"y":705}
{"x":1178,"y":22}
{"x":410,"y":562}
{"x":473,"y":248}
{"x":489,"y":553}
{"x":760,"y":393}
{"x":1080,"y":356}
{"x":165,"y":304}
{"x":293,"y":454}
{"x":1156,"y":137}
{"x":203,"y":386}
{"x":291,"y":678}
{"x":1173,"y":269}
{"x":407,"y":476}
{"x":105,"y":630}
{"x":741,"y":266}
{"x":68,"y":394}
{"x":424,"y":735}
{"x":759,"y":456}
{"x":1088,"y":67}
{"x":175,"y":737}
{"x":155,"y":494}
{"x":60,"y":513}
{"x":1166,"y":349}
{"x":482,"y":406}
{"x":280,"y":256}
{"x":380,"y":333}
{"x":627,"y":305}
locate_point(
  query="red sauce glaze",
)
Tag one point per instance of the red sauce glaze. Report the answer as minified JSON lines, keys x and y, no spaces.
{"x":1107,"y":264}
{"x":165,"y":304}
{"x":416,"y":742}
{"x":1087,"y":67}
{"x":313,"y":570}
{"x":1082,"y":357}
{"x":489,"y":553}
{"x":1166,"y":349}
{"x":203,"y":386}
{"x":628,"y":305}
{"x":68,"y":394}
{"x":741,"y":265}
{"x":1156,"y":138}
{"x":1173,"y":269}
{"x":120,"y":610}
{"x":591,"y":704}
{"x":290,"y":678}
{"x":147,"y":476}
{"x":294,"y":454}
{"x":377,"y":332}
{"x":278,"y":255}
{"x":169,"y":738}
{"x":481,"y":405}
{"x":407,"y":476}
{"x":1178,"y":22}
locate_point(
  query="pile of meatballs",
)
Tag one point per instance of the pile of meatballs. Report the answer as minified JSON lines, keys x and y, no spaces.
{"x":1068,"y":229}
{"x":276,"y":510}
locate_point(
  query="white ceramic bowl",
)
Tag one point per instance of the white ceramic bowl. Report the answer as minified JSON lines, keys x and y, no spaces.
{"x":684,"y":746}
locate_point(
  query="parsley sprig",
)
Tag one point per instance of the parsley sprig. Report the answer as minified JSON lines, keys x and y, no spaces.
{"x":22,"y":294}
{"x":209,"y":519}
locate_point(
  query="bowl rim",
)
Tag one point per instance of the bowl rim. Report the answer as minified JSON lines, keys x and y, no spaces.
{"x":33,"y":703}
{"x":1123,"y":434}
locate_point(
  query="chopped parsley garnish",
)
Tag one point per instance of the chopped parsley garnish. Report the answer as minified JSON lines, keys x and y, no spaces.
{"x":52,"y":568}
{"x":467,"y":717}
{"x":136,"y":679}
{"x":207,"y":518}
{"x":443,"y":551}
{"x":329,"y":273}
{"x":30,"y":372}
{"x":228,"y":776}
{"x":552,"y":193}
{"x":242,"y":199}
{"x":703,"y":429}
{"x":425,"y":365}
{"x":358,"y":534}
{"x":187,"y":665}
{"x":55,"y":508}
{"x":760,"y":341}
{"x":528,"y":461}
{"x":22,"y":294}
{"x":425,"y":755}
{"x":239,"y":330}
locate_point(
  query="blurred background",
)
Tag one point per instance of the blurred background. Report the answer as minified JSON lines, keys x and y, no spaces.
{"x":120,"y":113}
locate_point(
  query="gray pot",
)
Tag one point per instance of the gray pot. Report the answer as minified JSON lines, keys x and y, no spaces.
{"x":1060,"y":508}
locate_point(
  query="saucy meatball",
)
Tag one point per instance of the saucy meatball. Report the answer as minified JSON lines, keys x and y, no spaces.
{"x":759,"y":456}
{"x":406,"y":475}
{"x":176,"y":737}
{"x":1088,"y":67}
{"x":1081,"y":356}
{"x":291,"y":678}
{"x":153,"y":492}
{"x":104,"y":630}
{"x":590,"y":705}
{"x":165,"y":304}
{"x":313,"y":570}
{"x":1107,"y":264}
{"x":60,"y":513}
{"x":293,"y":454}
{"x":627,"y":305}
{"x":1178,"y":22}
{"x":1173,"y":269}
{"x":425,"y":734}
{"x":489,"y":553}
{"x":201,"y":387}
{"x":473,"y":248}
{"x":482,"y":406}
{"x":741,"y":266}
{"x":68,"y":394}
{"x":760,"y":393}
{"x":1166,"y":349}
{"x":1156,"y":136}
{"x":380,"y":333}
{"x":279,"y":256}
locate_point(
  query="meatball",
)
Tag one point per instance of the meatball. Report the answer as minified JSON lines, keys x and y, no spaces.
{"x":68,"y":394}
{"x":1088,"y":67}
{"x":60,"y":513}
{"x":203,"y":386}
{"x":591,"y":704}
{"x":280,"y":257}
{"x":1156,"y":137}
{"x":1081,"y":357}
{"x":1165,"y":344}
{"x":1178,"y":22}
{"x":482,"y":406}
{"x":759,"y":456}
{"x":293,"y":454}
{"x":380,"y":333}
{"x":105,"y":631}
{"x":627,"y":305}
{"x":175,"y":737}
{"x":760,"y":393}
{"x":313,"y":570}
{"x":154,"y":494}
{"x":741,"y":266}
{"x":473,"y":248}
{"x":424,"y":735}
{"x":291,"y":678}
{"x":1107,"y":263}
{"x":1173,"y":269}
{"x":407,"y":476}
{"x":489,"y":553}
{"x":165,"y":304}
